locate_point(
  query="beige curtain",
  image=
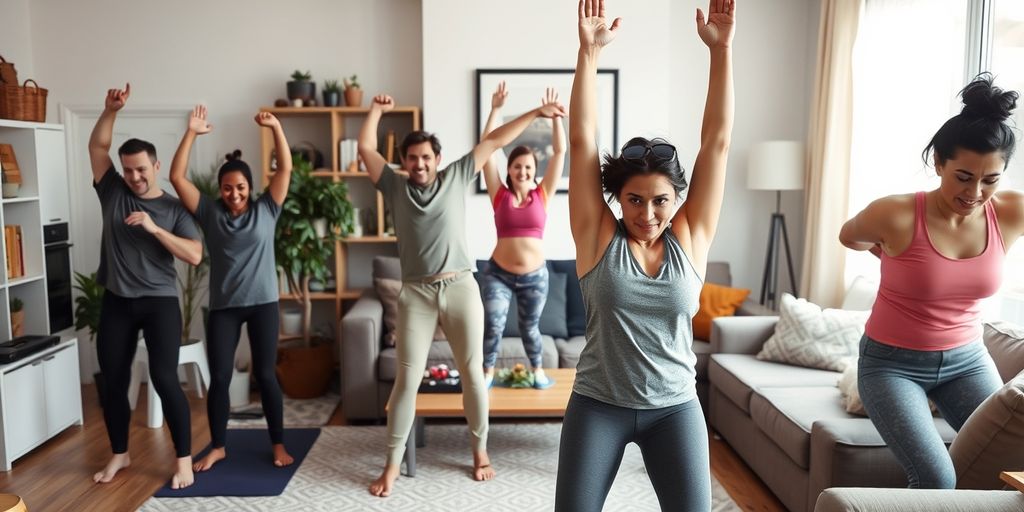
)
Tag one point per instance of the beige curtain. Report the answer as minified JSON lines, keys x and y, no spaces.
{"x":828,"y":159}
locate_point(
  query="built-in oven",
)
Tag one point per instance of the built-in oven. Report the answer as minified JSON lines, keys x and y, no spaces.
{"x":57,"y":247}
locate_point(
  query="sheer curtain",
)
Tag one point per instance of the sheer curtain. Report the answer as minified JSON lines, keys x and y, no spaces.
{"x":909,"y":63}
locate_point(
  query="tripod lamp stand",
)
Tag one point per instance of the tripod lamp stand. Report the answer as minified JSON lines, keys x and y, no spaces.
{"x":778,"y":166}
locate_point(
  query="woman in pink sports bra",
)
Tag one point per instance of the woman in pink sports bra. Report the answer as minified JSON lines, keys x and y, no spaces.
{"x":517,"y":267}
{"x":941,"y":252}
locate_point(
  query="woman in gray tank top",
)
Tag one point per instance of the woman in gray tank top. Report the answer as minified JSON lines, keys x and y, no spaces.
{"x":641,"y":277}
{"x":239,"y":233}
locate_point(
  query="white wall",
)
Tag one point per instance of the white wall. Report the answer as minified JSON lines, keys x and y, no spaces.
{"x":15,"y":36}
{"x":663,"y":82}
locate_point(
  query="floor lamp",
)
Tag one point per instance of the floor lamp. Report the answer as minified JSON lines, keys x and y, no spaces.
{"x":778,"y":166}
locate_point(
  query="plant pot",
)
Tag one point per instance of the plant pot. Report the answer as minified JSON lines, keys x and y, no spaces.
{"x":353,"y":97}
{"x":10,"y":189}
{"x":291,"y":321}
{"x":332,"y":98}
{"x":320,"y":226}
{"x":17,"y":322}
{"x":301,"y":90}
{"x":304,"y":372}
{"x":238,"y":390}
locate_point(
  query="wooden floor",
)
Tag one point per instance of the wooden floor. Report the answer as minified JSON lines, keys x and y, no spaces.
{"x":58,"y":475}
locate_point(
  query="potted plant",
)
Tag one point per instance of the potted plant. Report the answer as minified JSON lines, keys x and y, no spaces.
{"x":304,"y":370}
{"x":332,"y":93}
{"x":353,"y":93}
{"x":17,"y":317}
{"x":302,"y":87}
{"x":88,"y":305}
{"x":192,"y":290}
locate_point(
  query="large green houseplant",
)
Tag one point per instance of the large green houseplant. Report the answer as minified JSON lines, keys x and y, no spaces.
{"x":88,"y":305}
{"x":303,"y":255}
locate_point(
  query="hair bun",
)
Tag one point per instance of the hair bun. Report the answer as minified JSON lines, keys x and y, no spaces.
{"x":983,"y":99}
{"x":234,"y":155}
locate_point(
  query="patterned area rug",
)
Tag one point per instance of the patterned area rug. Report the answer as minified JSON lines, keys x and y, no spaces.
{"x":344,"y":460}
{"x":313,"y":412}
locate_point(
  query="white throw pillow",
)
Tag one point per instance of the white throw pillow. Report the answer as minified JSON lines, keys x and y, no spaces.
{"x":808,"y":336}
{"x":849,"y":391}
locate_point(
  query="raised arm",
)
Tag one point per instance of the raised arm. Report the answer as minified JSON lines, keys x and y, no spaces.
{"x":697,"y":220}
{"x":368,"y":136}
{"x":278,"y":187}
{"x":556,"y":164}
{"x":590,"y":219}
{"x":188,"y":194}
{"x":103,"y":133}
{"x":506,"y":133}
{"x":491,"y":178}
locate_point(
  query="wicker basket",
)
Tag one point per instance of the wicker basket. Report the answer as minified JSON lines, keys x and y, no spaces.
{"x":23,"y":103}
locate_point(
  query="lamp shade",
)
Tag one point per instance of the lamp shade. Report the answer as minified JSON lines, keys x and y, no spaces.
{"x":776,"y":165}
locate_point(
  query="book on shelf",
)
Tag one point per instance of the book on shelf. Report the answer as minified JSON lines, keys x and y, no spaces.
{"x":389,"y":147}
{"x":13,"y":251}
{"x":349,"y":151}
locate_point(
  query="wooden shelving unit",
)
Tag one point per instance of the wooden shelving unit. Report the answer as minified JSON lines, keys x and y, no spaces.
{"x":331,"y":125}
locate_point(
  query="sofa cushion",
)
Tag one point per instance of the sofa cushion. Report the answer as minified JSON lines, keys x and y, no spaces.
{"x":737,"y":375}
{"x":808,"y":336}
{"x":552,"y":317}
{"x":569,"y":351}
{"x":510,"y":352}
{"x":786,"y":416}
{"x":715,"y":301}
{"x":1005,"y":343}
{"x":992,"y":439}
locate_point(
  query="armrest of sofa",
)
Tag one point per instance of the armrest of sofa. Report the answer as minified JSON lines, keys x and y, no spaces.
{"x":751,"y":308}
{"x":361,"y":330}
{"x":741,"y":334}
{"x":854,"y":499}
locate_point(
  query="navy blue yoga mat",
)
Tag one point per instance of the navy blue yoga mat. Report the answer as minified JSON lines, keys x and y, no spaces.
{"x":249,"y":469}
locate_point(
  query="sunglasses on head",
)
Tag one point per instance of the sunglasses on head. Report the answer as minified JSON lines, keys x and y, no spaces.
{"x":638,"y":151}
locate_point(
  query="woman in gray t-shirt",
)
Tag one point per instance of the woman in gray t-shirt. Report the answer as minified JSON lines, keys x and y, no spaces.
{"x":239,"y":234}
{"x":641,"y":277}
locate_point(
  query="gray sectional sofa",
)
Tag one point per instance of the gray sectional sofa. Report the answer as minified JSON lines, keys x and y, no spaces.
{"x":368,"y":367}
{"x":789,"y":424}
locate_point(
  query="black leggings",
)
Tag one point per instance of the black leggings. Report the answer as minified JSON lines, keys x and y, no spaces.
{"x":225,"y":326}
{"x":159,"y":318}
{"x":673,"y":441}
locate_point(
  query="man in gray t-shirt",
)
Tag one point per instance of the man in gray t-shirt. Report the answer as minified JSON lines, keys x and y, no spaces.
{"x":144,"y":230}
{"x":429,"y":210}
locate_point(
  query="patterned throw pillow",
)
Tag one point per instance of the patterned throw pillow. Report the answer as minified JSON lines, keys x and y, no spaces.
{"x":808,"y":336}
{"x":715,"y":301}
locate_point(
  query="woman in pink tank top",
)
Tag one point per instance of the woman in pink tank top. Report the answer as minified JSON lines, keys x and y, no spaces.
{"x":517,"y":268}
{"x":941,"y":253}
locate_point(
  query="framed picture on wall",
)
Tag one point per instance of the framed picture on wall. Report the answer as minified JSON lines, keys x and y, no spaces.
{"x":525,"y":91}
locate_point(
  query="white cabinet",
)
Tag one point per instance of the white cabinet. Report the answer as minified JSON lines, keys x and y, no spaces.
{"x":39,"y":397}
{"x":52,"y":165}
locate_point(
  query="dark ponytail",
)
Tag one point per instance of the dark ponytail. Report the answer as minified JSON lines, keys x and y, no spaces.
{"x":981,"y":126}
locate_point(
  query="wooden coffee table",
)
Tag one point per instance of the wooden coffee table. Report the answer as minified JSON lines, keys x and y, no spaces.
{"x":504,"y":403}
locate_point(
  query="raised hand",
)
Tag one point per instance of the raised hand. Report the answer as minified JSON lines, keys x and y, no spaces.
{"x":720,"y":25}
{"x":550,"y":96}
{"x":383,"y":103}
{"x":116,"y":98}
{"x":498,"y":98}
{"x":552,"y":110}
{"x":267,"y":120}
{"x":594,"y":31}
{"x":197,"y":121}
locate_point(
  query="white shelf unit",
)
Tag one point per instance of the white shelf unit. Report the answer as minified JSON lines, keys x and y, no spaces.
{"x":37,"y":147}
{"x":40,"y":396}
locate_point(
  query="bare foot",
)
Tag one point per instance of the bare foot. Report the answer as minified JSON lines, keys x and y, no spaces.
{"x":216,"y":455}
{"x":118,"y":462}
{"x":382,"y":486}
{"x":281,"y":457}
{"x":482,"y":470}
{"x":183,"y":476}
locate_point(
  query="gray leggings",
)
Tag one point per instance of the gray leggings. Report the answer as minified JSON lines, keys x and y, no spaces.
{"x":673,"y":441}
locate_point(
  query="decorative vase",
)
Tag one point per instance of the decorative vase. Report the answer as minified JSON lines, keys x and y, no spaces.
{"x":353,"y":97}
{"x":332,"y":98}
{"x":357,"y":222}
{"x":320,"y":226}
{"x":291,"y":321}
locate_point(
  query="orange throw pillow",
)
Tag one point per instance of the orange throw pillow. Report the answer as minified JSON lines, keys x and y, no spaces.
{"x":716,"y":301}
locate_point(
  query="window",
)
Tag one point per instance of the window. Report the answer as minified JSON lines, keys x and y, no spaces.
{"x":910,"y":60}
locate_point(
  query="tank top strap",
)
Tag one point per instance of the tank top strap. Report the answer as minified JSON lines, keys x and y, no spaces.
{"x":920,"y":218}
{"x":995,"y":236}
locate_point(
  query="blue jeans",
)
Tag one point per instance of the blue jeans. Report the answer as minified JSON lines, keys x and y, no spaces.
{"x":673,"y":441}
{"x":895,"y":385}
{"x":531,"y":292}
